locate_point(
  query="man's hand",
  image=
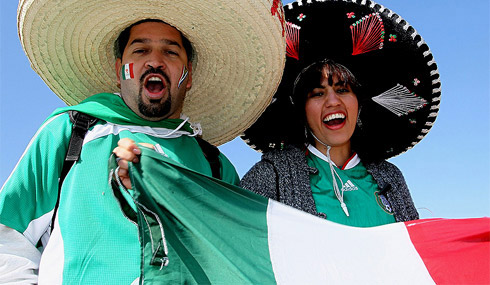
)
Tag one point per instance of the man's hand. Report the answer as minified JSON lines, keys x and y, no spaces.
{"x":127,"y":150}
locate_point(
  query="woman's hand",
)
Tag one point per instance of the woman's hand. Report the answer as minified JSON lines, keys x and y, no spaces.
{"x":127,"y":150}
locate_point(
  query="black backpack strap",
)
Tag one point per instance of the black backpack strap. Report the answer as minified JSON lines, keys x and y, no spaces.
{"x":212,"y":155}
{"x":81,"y":123}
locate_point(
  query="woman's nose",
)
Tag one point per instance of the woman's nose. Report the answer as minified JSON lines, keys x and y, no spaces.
{"x":332,"y":99}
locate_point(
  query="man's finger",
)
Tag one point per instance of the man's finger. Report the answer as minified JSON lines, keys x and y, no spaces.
{"x":148,"y":145}
{"x":125,"y":154}
{"x":130,"y":145}
{"x":123,"y":172}
{"x":126,"y":182}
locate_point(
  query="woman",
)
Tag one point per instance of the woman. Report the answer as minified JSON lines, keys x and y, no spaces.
{"x":327,"y":178}
{"x":325,"y":153}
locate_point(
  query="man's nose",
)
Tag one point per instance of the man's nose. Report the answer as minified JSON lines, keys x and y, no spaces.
{"x":156,"y":61}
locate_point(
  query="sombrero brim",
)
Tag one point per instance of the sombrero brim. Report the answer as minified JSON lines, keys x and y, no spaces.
{"x":400,"y":91}
{"x":238,"y":46}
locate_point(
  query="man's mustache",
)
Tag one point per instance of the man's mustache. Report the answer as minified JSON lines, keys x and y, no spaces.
{"x":155,"y":71}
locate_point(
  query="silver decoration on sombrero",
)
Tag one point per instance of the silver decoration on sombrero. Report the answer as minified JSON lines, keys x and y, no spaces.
{"x":399,"y":100}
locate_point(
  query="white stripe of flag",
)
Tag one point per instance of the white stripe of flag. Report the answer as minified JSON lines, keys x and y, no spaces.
{"x":309,"y":250}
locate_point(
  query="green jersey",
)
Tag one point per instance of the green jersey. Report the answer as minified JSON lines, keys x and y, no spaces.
{"x":92,"y":241}
{"x":367,"y":207}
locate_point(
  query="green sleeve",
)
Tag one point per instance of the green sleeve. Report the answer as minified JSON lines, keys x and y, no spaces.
{"x":32,"y":189}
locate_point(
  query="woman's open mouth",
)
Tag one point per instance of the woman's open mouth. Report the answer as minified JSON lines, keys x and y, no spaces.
{"x":334,"y":121}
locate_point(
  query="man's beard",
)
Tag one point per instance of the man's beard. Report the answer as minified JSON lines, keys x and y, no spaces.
{"x":155,"y":108}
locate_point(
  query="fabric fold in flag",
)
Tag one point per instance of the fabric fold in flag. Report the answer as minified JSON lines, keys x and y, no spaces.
{"x":214,"y":232}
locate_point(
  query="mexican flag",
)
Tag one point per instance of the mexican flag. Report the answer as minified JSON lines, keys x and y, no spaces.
{"x":127,"y":71}
{"x":199,"y":230}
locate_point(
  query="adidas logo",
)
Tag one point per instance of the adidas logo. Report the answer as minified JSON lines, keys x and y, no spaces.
{"x":349,"y":186}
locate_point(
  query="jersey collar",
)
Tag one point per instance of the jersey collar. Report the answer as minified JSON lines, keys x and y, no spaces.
{"x":352,"y":162}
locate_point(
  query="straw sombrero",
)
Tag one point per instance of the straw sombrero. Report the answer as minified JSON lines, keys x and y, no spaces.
{"x":400,"y":92}
{"x":238,"y":52}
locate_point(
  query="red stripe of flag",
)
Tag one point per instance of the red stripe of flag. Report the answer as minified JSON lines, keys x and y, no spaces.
{"x":131,"y":70}
{"x":455,"y":251}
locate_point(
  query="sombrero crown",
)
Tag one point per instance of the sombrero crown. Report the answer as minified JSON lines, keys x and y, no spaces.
{"x":400,"y":86}
{"x":238,"y":52}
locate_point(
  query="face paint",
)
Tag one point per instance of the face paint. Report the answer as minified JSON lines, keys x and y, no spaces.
{"x":183,"y":76}
{"x":127,"y":71}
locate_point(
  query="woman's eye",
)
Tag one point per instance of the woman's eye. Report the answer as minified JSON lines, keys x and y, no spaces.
{"x":315,"y":94}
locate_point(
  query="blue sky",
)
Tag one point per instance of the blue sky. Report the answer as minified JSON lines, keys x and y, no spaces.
{"x":448,"y":173}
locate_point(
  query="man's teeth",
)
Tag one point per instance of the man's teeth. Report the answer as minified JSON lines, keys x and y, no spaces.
{"x":154,"y":78}
{"x":333,"y":117}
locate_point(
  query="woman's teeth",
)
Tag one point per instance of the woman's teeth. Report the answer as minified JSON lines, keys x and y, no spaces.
{"x":333,"y":117}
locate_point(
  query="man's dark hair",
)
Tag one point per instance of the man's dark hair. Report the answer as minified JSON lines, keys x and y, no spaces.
{"x":123,"y":38}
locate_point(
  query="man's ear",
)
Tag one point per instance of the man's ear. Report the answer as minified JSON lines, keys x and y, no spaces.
{"x":189,"y":76}
{"x":118,"y":71}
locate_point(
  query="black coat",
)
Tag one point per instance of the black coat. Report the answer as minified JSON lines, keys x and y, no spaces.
{"x":284,"y":175}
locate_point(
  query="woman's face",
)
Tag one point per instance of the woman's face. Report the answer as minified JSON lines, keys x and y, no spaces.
{"x":331,"y":112}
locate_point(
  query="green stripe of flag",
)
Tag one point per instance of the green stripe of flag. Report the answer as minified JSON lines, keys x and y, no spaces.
{"x":215,"y":232}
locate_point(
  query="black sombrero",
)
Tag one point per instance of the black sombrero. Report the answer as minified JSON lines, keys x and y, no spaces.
{"x":399,"y":77}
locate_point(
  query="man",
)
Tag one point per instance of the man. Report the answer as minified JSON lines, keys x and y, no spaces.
{"x":153,"y":47}
{"x":92,"y":241}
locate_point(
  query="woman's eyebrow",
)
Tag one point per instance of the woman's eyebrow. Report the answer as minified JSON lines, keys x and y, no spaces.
{"x":341,"y":83}
{"x":317,"y":86}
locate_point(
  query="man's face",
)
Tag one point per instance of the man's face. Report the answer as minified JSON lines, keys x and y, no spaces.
{"x":158,"y":57}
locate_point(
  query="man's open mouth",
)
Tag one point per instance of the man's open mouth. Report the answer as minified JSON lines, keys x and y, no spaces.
{"x":154,"y":84}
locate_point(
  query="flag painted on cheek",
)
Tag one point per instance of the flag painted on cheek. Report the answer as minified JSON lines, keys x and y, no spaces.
{"x":127,"y":71}
{"x":183,"y":75}
{"x":197,"y":229}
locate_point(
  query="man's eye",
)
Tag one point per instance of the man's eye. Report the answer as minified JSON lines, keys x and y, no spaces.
{"x":139,"y":51}
{"x":171,"y":52}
